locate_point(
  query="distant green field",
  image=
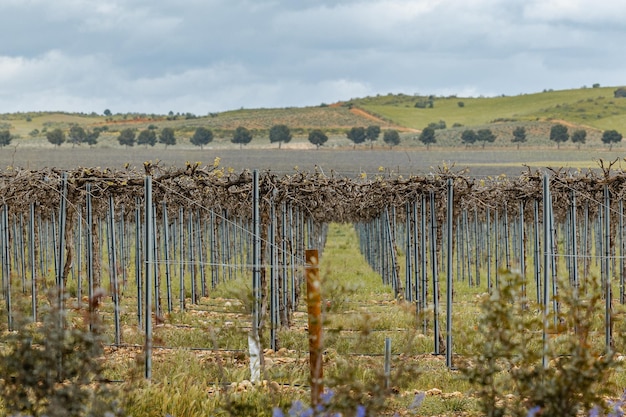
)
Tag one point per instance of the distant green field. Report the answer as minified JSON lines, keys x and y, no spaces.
{"x":592,"y":107}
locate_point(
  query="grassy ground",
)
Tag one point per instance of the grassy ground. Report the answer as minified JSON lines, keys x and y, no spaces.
{"x":201,"y":366}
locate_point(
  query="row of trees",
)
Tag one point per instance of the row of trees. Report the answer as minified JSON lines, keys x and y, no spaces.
{"x":202,"y":136}
{"x":128,"y":137}
{"x":371,"y":133}
{"x":483,"y":136}
{"x":558,"y":133}
{"x":280,"y":134}
{"x":77,"y":135}
{"x":242,"y":136}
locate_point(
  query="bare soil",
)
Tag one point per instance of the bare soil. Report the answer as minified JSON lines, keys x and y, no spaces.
{"x":300,"y":156}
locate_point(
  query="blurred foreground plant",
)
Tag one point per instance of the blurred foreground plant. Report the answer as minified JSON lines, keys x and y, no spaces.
{"x":53,"y":369}
{"x":508,"y":370}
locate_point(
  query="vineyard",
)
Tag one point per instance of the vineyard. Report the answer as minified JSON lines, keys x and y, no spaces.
{"x":201,"y":259}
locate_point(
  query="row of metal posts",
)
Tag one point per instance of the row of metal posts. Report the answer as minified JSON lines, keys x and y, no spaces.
{"x":492,"y":241}
{"x":377,"y":251}
{"x":47,"y":236}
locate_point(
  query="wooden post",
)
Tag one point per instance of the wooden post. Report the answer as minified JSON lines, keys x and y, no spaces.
{"x":314,"y":307}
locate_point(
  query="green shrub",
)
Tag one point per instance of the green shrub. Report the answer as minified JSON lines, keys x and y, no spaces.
{"x":54,"y":370}
{"x":508,"y":370}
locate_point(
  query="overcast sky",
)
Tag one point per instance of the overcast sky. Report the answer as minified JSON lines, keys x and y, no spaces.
{"x":201,"y":56}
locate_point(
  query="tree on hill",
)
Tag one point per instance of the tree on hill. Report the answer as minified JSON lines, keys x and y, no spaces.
{"x":107,"y":112}
{"x":427,"y":137}
{"x":485,"y":136}
{"x":356,"y":135}
{"x":441,"y":124}
{"x":77,"y":135}
{"x":391,"y":137}
{"x":91,"y":137}
{"x":202,"y":136}
{"x":317,"y":137}
{"x":610,"y":137}
{"x":280,"y":134}
{"x":147,"y":137}
{"x":558,"y":134}
{"x":468,"y":137}
{"x":5,"y":138}
{"x":424,"y":102}
{"x":620,"y":92}
{"x":56,"y":137}
{"x":579,"y":137}
{"x":127,"y":137}
{"x":242,"y":136}
{"x":167,"y":137}
{"x":519,"y":135}
{"x":372,"y":133}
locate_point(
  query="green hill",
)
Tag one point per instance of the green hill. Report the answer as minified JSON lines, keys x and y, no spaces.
{"x":594,"y":109}
{"x":589,"y":107}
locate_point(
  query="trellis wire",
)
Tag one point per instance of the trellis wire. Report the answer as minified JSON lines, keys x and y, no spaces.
{"x":51,"y":234}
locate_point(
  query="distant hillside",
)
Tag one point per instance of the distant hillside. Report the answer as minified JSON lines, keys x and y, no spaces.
{"x":594,"y":109}
{"x":300,"y":120}
{"x":589,"y":107}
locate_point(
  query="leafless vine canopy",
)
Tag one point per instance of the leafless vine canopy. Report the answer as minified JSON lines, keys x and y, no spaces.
{"x":326,"y":198}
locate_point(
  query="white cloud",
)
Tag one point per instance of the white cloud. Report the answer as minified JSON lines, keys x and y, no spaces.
{"x":581,"y":11}
{"x":213,"y":55}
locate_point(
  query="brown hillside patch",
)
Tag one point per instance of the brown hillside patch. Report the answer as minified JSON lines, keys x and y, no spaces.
{"x":573,"y":125}
{"x":369,"y":116}
{"x":362,"y":113}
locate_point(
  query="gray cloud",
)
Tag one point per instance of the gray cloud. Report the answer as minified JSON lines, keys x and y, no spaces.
{"x":213,"y":55}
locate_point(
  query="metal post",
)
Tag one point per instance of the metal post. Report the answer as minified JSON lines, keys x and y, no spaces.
{"x":546,"y":264}
{"x":254,"y":343}
{"x":284,"y":289}
{"x":113,"y":272}
{"x":149,"y":262}
{"x":89,"y":220}
{"x":621,"y":251}
{"x":61,"y":249}
{"x":608,"y":337}
{"x":489,"y":286}
{"x":477,"y":245}
{"x":166,"y":259}
{"x":522,"y":251}
{"x":408,"y":294}
{"x":6,"y":265}
{"x":424,"y":286}
{"x":79,"y":259}
{"x":433,"y":255}
{"x":450,"y":278}
{"x":537,"y":255}
{"x":181,"y":248}
{"x":138,"y":276}
{"x":33,"y":268}
{"x":387,"y":365}
{"x":192,"y":254}
{"x":574,"y":241}
{"x":273,"y":276}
